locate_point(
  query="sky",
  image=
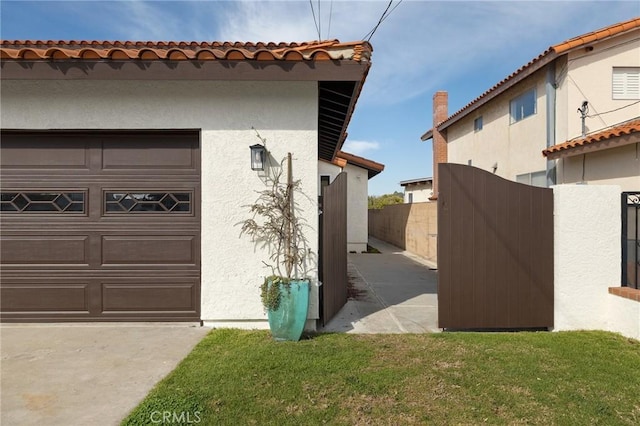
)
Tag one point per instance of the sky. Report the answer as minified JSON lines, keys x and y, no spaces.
{"x":420,"y":47}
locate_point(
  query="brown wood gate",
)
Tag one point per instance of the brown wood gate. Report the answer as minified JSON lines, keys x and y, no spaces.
{"x":333,"y":248}
{"x":495,"y":251}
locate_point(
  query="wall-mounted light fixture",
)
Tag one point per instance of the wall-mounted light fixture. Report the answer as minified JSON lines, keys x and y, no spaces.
{"x":258,"y":154}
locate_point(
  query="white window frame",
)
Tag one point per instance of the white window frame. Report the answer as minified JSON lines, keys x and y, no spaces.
{"x":517,"y":103}
{"x":625,"y":83}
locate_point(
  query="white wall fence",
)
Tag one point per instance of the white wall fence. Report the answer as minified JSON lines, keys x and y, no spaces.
{"x":587,"y":256}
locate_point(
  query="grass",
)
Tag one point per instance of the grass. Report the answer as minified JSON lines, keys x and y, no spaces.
{"x":243,"y":377}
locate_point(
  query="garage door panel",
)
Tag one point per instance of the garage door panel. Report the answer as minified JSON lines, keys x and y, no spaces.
{"x":45,"y":152}
{"x":133,"y":154}
{"x":44,"y":250}
{"x":150,"y":296}
{"x":149,"y":250}
{"x":24,"y":296}
{"x":100,"y":226}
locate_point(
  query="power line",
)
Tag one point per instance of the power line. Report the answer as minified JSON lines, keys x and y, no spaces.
{"x":384,"y":16}
{"x":319,"y":22}
{"x":315,"y":21}
{"x":330,"y":14}
{"x":613,"y":110}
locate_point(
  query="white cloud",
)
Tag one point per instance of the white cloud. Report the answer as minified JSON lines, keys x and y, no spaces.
{"x":360,"y":147}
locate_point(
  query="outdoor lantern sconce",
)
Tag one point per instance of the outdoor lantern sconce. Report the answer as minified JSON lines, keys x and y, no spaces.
{"x":258,"y":154}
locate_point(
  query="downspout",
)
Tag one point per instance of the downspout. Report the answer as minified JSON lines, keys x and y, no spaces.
{"x":550,"y":88}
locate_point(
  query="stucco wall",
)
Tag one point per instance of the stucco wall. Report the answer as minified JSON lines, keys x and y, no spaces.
{"x":285,"y":114}
{"x":587,"y":75}
{"x":514,"y":147}
{"x":614,"y":166}
{"x":587,"y":257}
{"x":412,"y":227}
{"x":357,"y":192}
{"x":421,"y":192}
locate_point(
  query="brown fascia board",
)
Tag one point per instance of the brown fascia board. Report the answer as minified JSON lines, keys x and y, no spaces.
{"x":329,"y":70}
{"x":373,"y":167}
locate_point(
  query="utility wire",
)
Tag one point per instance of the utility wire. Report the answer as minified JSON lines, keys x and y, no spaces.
{"x":315,"y":21}
{"x":384,"y":16}
{"x":330,"y":14}
{"x":319,"y":22}
{"x":613,"y":110}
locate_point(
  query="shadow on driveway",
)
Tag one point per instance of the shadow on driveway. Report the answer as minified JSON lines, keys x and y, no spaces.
{"x":397,"y":293}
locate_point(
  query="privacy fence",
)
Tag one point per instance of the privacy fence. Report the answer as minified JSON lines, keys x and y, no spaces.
{"x":412,"y":227}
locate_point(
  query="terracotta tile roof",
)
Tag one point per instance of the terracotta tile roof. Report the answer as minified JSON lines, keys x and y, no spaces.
{"x":618,"y":130}
{"x":180,"y":51}
{"x":373,"y":167}
{"x":535,"y":64}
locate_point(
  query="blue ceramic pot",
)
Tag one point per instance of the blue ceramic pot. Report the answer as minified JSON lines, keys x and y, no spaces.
{"x":287,"y":322}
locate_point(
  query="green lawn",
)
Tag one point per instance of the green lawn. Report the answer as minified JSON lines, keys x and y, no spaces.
{"x":240,"y":377}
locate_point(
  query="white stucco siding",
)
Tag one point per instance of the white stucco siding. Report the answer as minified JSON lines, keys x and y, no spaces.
{"x":615,"y":166}
{"x":588,"y":76}
{"x":357,"y":208}
{"x":285,"y":113}
{"x":515,"y":147}
{"x":587,"y":256}
{"x":420,"y":192}
{"x":357,"y":202}
{"x":327,"y":169}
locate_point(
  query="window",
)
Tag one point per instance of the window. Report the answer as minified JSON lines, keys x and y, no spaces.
{"x":533,"y":179}
{"x":626,"y":83}
{"x":155,"y":202}
{"x":410,"y":197}
{"x":324,"y":181}
{"x":523,"y":106}
{"x":42,"y":202}
{"x":477,"y":124}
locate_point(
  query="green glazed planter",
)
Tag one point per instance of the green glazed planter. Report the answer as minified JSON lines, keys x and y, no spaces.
{"x":287,"y":322}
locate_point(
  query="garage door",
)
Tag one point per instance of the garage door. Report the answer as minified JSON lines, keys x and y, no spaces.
{"x":100,"y":226}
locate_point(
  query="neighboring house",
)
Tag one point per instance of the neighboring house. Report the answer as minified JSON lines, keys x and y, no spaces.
{"x":417,"y":190}
{"x":537,"y":109}
{"x":359,"y":170}
{"x":125,"y":171}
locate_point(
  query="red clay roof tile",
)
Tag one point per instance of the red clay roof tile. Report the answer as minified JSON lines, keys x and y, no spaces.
{"x":618,"y":130}
{"x":172,"y":50}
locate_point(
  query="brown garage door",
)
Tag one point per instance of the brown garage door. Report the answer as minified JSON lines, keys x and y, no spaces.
{"x":100,"y":226}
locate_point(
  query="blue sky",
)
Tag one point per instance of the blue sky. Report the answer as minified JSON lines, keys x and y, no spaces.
{"x":423,"y":46}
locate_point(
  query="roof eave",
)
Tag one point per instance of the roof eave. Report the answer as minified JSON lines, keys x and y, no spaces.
{"x":537,"y":64}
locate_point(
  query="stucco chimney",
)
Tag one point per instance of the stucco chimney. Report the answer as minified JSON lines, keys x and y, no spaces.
{"x":440,"y":113}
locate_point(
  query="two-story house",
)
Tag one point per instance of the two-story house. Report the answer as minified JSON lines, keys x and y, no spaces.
{"x":570,"y":115}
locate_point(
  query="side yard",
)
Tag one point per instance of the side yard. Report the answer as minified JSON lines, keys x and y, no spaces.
{"x":243,"y":377}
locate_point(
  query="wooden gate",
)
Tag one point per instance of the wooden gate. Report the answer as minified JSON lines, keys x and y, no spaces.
{"x":333,"y":248}
{"x":495,"y":251}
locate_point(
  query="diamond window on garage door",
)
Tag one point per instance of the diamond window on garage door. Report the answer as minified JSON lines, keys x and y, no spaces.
{"x":42,"y":202}
{"x":147,"y":202}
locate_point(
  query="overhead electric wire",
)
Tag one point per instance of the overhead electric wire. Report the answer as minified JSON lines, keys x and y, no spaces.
{"x":330,"y":14}
{"x":384,"y":16}
{"x":613,"y":110}
{"x":315,"y":21}
{"x":319,"y":22}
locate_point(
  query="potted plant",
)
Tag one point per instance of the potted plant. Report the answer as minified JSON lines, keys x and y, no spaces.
{"x":275,"y":226}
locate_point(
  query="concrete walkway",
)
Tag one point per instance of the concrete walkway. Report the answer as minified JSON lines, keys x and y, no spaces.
{"x":85,"y":374}
{"x":397,"y":294}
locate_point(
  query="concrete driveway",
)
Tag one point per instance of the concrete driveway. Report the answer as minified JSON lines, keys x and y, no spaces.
{"x":89,"y":374}
{"x":397,"y":293}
